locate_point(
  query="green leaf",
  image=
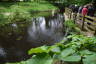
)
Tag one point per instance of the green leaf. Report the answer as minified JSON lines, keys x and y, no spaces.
{"x":90,"y":59}
{"x":69,"y":23}
{"x":40,"y":59}
{"x":38,"y":50}
{"x":67,"y":52}
{"x":37,"y":59}
{"x":86,"y":52}
{"x":72,"y":58}
{"x":55,"y":50}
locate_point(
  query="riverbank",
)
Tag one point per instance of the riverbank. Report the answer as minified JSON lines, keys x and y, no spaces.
{"x":25,"y":6}
{"x":21,"y":11}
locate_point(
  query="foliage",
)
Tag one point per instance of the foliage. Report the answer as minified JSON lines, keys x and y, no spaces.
{"x":13,"y":17}
{"x":69,"y":2}
{"x":63,"y":2}
{"x":25,"y":6}
{"x":79,"y":48}
{"x":70,"y":27}
{"x":21,"y":11}
{"x":82,"y":2}
{"x":69,"y":23}
{"x":39,"y":50}
{"x":90,"y":59}
{"x":37,"y":59}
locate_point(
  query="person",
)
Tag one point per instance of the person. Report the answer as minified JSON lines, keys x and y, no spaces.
{"x":75,"y":11}
{"x":85,"y":10}
{"x":94,"y":4}
{"x":80,"y":9}
{"x":72,"y":7}
{"x":91,"y":10}
{"x":76,"y":8}
{"x":79,"y":12}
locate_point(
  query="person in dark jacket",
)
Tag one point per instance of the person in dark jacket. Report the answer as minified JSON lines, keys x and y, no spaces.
{"x":76,"y":8}
{"x":72,"y":7}
{"x":91,"y":10}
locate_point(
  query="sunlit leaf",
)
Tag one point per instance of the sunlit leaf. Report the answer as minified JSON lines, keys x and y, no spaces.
{"x":86,"y":52}
{"x":55,"y":50}
{"x":38,"y":50}
{"x":41,"y":59}
{"x":90,"y":59}
{"x":72,"y":58}
{"x":67,"y":52}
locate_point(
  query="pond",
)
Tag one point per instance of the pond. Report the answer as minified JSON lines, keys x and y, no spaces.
{"x":18,"y":37}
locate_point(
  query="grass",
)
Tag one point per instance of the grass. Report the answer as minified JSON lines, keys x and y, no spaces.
{"x":21,"y":11}
{"x":25,"y":6}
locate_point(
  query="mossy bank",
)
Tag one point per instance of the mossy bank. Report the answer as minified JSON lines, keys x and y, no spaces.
{"x":21,"y":11}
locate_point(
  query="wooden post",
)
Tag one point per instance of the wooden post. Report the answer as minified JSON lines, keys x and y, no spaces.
{"x":70,"y":15}
{"x":83,"y":21}
{"x":75,"y":15}
{"x":95,"y":32}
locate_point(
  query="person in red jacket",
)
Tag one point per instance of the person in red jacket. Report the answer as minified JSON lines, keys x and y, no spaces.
{"x":85,"y":10}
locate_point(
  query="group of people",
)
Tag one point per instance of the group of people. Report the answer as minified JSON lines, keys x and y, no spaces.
{"x":88,"y":9}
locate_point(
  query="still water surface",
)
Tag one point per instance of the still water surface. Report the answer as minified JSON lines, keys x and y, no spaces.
{"x":18,"y":37}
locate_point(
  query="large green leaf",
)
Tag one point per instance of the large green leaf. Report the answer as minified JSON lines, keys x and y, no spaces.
{"x":86,"y":52}
{"x":45,"y":49}
{"x":37,"y":59}
{"x":90,"y":59}
{"x":38,"y":50}
{"x":55,"y":49}
{"x":41,"y":59}
{"x":72,"y":58}
{"x":66,"y":52}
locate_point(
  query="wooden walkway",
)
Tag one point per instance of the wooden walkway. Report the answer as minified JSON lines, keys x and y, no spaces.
{"x":86,"y":24}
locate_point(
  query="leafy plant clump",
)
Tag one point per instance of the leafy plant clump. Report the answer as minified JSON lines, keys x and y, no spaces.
{"x":79,"y":49}
{"x":69,"y":23}
{"x":14,"y":17}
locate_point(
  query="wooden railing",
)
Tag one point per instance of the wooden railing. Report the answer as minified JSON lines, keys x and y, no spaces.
{"x":84,"y":22}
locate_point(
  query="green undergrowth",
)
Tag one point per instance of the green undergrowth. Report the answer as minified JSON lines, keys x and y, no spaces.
{"x":20,"y":16}
{"x":71,"y":27}
{"x":25,"y":6}
{"x":77,"y":49}
{"x":22,"y":11}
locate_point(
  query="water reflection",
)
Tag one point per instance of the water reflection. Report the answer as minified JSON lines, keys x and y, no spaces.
{"x":17,"y":38}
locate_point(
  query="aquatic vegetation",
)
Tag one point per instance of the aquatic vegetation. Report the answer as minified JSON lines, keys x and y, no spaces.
{"x":79,"y":49}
